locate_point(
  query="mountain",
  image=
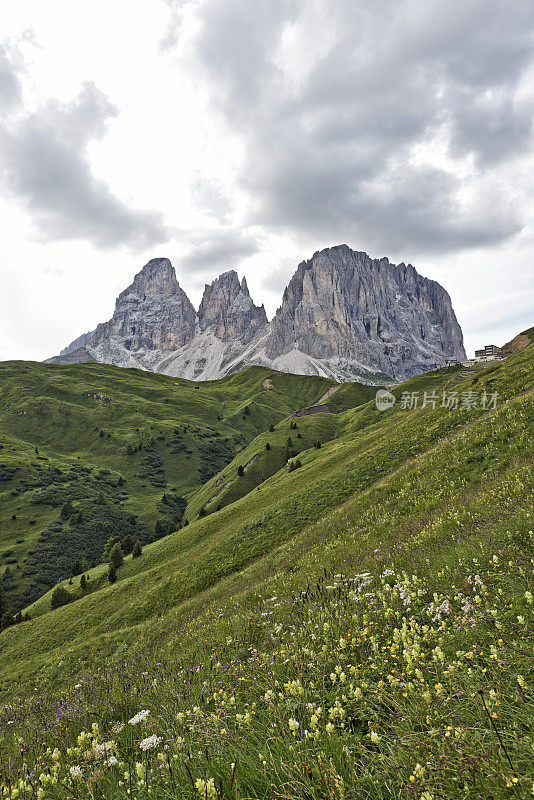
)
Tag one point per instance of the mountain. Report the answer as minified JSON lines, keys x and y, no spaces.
{"x":519,"y":342}
{"x":127,"y":436}
{"x":344,"y":316}
{"x":356,"y":623}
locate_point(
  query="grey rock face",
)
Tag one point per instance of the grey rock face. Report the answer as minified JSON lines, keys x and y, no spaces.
{"x":343,"y":315}
{"x":76,"y":344}
{"x":346,"y":304}
{"x":154,"y":313}
{"x":227,"y":309}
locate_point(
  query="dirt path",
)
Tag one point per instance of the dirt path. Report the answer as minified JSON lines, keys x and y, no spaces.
{"x":328,"y":394}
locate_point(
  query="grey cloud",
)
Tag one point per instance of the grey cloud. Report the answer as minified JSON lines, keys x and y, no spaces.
{"x":46,"y":166}
{"x":10,"y":85}
{"x":334,"y":156}
{"x":220,"y":249}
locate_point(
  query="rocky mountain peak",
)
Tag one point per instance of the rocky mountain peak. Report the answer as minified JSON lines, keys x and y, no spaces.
{"x":153,"y":313}
{"x":157,"y":277}
{"x":344,"y":304}
{"x":228,"y":309}
{"x":343,"y":315}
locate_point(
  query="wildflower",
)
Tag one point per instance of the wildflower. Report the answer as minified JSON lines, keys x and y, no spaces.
{"x":329,"y":728}
{"x":141,"y":716}
{"x":75,"y":772}
{"x":521,"y":681}
{"x":150,"y":742}
{"x":528,"y":597}
{"x":375,"y":738}
{"x":293,"y":725}
{"x":206,"y":788}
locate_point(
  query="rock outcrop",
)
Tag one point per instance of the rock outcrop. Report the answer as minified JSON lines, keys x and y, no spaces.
{"x":344,"y":304}
{"x":343,"y":315}
{"x":153,"y":314}
{"x":227,"y":309}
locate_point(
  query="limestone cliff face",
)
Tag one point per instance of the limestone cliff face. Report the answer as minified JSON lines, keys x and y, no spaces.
{"x":343,"y":315}
{"x":345,"y":304}
{"x":154,"y":313}
{"x":227,"y":309}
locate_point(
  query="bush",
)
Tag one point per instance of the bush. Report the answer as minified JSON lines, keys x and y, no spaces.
{"x":112,"y":573}
{"x":137,"y":549}
{"x":293,"y":465}
{"x":240,"y":471}
{"x":60,"y":597}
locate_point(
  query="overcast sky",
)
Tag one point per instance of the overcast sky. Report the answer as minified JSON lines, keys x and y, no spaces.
{"x":248,"y":134}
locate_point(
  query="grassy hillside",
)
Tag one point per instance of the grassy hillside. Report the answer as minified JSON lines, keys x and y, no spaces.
{"x":355,"y":627}
{"x":115,"y":442}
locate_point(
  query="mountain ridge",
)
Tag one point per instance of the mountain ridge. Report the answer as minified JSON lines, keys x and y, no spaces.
{"x":344,"y":315}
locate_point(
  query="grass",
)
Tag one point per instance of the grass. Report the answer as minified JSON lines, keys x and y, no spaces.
{"x":54,"y":420}
{"x":386,"y":581}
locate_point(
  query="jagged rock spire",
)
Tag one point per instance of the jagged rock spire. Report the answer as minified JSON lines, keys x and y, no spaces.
{"x":228,"y":309}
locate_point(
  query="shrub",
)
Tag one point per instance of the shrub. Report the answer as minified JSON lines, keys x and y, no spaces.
{"x":112,"y":573}
{"x":137,"y":549}
{"x":240,"y":471}
{"x":60,"y":597}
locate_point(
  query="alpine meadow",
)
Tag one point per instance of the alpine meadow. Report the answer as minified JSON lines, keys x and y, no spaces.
{"x":341,"y":606}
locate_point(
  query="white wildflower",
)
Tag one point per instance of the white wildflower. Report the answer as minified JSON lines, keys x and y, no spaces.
{"x":150,"y":742}
{"x":141,"y":716}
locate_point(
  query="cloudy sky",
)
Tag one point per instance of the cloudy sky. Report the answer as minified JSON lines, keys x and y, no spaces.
{"x":231,"y":133}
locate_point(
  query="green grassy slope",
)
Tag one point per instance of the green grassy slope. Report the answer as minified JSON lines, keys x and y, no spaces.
{"x":91,"y":430}
{"x":384,"y":472}
{"x":357,"y":627}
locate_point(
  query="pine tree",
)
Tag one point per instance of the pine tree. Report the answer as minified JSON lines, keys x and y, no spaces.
{"x":4,"y":602}
{"x":67,"y":510}
{"x":83,"y":583}
{"x":240,"y":471}
{"x":112,"y":573}
{"x":137,"y":549}
{"x":7,"y":620}
{"x":116,"y":556}
{"x":75,"y":568}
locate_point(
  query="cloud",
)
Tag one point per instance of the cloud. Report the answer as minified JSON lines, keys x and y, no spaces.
{"x":10,"y":85}
{"x":374,"y":122}
{"x":218,"y":249}
{"x":45,"y":164}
